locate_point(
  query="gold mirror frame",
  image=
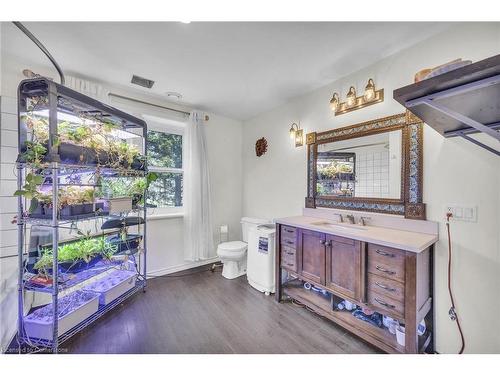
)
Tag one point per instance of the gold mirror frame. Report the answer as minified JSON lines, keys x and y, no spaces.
{"x":410,"y":203}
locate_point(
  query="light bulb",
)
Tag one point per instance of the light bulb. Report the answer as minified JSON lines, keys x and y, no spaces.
{"x":370,"y":90}
{"x":334,"y":102}
{"x":351,"y":97}
{"x":292,"y":133}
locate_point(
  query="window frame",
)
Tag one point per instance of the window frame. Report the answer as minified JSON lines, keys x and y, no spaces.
{"x":167,"y":126}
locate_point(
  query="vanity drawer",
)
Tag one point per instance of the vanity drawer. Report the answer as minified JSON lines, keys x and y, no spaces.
{"x":288,"y":235}
{"x":387,"y":262}
{"x":382,"y":303}
{"x":289,"y":258}
{"x":387,"y":287}
{"x":288,"y":241}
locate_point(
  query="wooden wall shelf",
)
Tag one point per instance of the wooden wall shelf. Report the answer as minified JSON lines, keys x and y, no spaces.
{"x":460,"y":102}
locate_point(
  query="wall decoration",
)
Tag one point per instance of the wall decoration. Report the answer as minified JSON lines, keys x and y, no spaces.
{"x":260,"y":147}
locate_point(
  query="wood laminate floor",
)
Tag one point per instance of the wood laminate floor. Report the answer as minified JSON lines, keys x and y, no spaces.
{"x":205,"y":313}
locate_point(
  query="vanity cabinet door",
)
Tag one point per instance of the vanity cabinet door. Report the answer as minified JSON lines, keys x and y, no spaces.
{"x":311,"y":255}
{"x":344,"y":267}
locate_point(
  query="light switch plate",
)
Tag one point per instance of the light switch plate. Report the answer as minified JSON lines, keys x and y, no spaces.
{"x":462,"y":213}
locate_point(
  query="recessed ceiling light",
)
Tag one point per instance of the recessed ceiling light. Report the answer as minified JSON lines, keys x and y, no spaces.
{"x":174,"y":95}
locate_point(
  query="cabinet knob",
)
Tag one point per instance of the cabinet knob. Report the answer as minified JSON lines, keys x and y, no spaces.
{"x":322,"y":242}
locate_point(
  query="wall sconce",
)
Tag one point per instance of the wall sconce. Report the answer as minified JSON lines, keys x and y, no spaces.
{"x":297,"y":134}
{"x":353,"y":102}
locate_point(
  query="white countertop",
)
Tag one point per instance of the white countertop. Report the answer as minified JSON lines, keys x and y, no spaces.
{"x":399,"y":239}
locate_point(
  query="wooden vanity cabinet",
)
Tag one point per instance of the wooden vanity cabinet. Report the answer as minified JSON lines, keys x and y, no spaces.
{"x":344,"y":267}
{"x":311,"y":256}
{"x":393,"y":282}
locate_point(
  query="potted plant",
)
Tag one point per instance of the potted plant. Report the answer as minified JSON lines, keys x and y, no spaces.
{"x":30,"y":190}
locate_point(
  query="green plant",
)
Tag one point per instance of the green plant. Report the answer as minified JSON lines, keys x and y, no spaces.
{"x":34,"y":153}
{"x":72,"y":195}
{"x":30,"y":190}
{"x":127,"y":187}
{"x":84,"y":249}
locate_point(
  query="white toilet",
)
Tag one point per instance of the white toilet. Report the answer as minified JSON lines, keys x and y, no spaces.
{"x":233,"y":254}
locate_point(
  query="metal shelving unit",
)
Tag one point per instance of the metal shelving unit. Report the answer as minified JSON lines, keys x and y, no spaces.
{"x":59,"y":102}
{"x":459,"y":103}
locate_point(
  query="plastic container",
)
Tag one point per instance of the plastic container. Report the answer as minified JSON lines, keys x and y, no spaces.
{"x":73,"y":309}
{"x":118,"y":205}
{"x":400,"y":335}
{"x":112,"y":286}
{"x":128,"y":246}
{"x":79,"y":266}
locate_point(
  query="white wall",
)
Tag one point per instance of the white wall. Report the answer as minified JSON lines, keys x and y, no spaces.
{"x":455,"y":171}
{"x":165,"y":236}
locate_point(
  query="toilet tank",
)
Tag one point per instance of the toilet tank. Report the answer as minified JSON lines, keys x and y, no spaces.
{"x":249,"y":222}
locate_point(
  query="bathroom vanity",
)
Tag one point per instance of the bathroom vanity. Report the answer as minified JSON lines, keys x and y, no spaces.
{"x":385,"y":270}
{"x":363,"y":237}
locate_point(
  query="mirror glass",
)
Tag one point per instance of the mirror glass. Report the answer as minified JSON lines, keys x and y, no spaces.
{"x":364,"y":167}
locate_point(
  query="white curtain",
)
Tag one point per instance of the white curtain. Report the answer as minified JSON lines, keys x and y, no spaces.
{"x":198,"y":237}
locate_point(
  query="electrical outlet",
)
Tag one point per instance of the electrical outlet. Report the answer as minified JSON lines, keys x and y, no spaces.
{"x":462,"y":213}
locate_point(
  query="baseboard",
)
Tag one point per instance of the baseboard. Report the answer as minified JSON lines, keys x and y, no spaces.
{"x":183,"y":267}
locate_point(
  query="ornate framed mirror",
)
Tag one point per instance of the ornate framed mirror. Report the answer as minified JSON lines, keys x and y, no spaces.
{"x":372,"y":166}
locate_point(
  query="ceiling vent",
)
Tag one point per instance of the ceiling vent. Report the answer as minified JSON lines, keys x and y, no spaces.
{"x":144,"y":82}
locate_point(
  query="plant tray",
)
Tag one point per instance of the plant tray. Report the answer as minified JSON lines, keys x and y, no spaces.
{"x":73,"y":309}
{"x":75,"y":154}
{"x":112,"y":286}
{"x":128,"y":246}
{"x":79,"y":266}
{"x":75,"y":211}
{"x":119,"y":205}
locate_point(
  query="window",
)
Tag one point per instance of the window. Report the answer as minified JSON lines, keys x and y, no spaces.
{"x":165,"y":158}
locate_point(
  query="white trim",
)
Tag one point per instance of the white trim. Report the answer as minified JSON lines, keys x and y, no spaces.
{"x":165,"y":216}
{"x":166,"y":170}
{"x":183,"y":267}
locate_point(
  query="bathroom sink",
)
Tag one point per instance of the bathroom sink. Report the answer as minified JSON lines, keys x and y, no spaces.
{"x":337,"y":225}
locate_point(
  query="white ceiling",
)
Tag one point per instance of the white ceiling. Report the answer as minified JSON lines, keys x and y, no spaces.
{"x":233,"y":69}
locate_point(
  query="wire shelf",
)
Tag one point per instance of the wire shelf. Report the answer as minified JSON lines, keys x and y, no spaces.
{"x":57,"y":99}
{"x":74,"y":279}
{"x":23,"y":339}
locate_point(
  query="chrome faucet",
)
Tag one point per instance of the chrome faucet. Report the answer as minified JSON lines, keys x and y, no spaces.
{"x":341,"y":219}
{"x":350,"y":219}
{"x":363,"y":220}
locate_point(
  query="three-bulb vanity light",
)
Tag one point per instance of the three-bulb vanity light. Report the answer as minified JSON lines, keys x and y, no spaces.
{"x":353,"y":102}
{"x":297,"y":134}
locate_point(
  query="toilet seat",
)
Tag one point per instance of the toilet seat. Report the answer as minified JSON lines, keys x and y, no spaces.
{"x":233,"y":246}
{"x":233,"y":250}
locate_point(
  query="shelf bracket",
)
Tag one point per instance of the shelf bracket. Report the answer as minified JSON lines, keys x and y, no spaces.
{"x":431,"y":101}
{"x":463,"y":119}
{"x":480,"y":144}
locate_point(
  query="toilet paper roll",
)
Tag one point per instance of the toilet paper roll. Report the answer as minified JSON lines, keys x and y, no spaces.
{"x":223,"y":229}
